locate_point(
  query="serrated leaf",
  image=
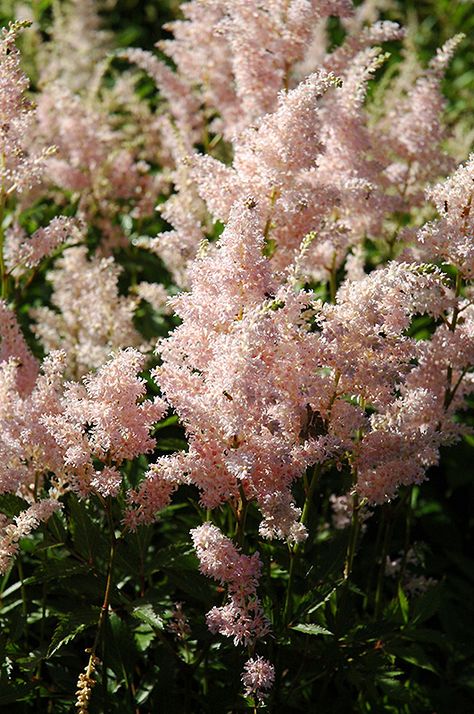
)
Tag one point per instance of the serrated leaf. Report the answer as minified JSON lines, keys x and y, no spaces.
{"x":404,"y":604}
{"x":122,"y":651}
{"x":70,"y":626}
{"x":323,"y":601}
{"x":415,"y":655}
{"x":146,"y":613}
{"x":312,"y":629}
{"x":12,"y":694}
{"x":143,"y":638}
{"x":58,"y":569}
{"x":179,"y":556}
{"x":87,"y":536}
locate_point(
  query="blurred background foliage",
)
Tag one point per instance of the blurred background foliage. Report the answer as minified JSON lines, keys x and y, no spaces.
{"x":429,"y":22}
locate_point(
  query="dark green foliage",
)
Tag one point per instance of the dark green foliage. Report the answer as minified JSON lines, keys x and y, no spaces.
{"x":339,"y":652}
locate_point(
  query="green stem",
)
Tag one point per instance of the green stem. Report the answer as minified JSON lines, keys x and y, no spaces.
{"x":24,"y":601}
{"x":393,"y":239}
{"x":386,"y":542}
{"x":411,"y":500}
{"x":332,"y":281}
{"x":309,"y":499}
{"x":449,"y":391}
{"x":241,"y":517}
{"x":289,"y":588}
{"x":378,"y":541}
{"x":353,"y":536}
{"x":104,"y":610}
{"x":299,"y":547}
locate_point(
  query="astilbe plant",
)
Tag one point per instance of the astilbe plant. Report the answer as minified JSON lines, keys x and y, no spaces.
{"x":294,"y":357}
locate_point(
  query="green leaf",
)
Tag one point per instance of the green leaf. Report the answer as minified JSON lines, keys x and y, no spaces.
{"x":427,"y":604}
{"x":395,"y":689}
{"x":143,"y":636}
{"x":414,"y":654}
{"x":11,"y":693}
{"x":12,"y":505}
{"x":172,"y":444}
{"x":323,"y":601}
{"x":178,"y":556}
{"x":58,"y":569}
{"x":404,"y":604}
{"x":193,"y":584}
{"x":121,"y":653}
{"x":169,"y":421}
{"x":312,"y":629}
{"x":146,"y":613}
{"x":70,"y":626}
{"x":88,"y":538}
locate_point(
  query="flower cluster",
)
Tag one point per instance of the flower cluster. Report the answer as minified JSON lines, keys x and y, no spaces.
{"x":87,"y":339}
{"x":258,"y":677}
{"x":62,"y":430}
{"x":242,"y":617}
{"x":297,"y":347}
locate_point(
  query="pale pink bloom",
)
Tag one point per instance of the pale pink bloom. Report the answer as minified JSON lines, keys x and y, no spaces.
{"x":419,"y":144}
{"x":182,"y":103}
{"x":414,"y":583}
{"x":21,"y":166}
{"x":13,"y":347}
{"x":185,"y":211}
{"x":368,"y":12}
{"x":403,"y":443}
{"x":351,"y":161}
{"x":453,"y":349}
{"x":156,"y":295}
{"x":244,"y":621}
{"x":393,"y":566}
{"x":258,"y":677}
{"x":107,"y":482}
{"x":27,"y":450}
{"x":340,"y":60}
{"x":242,"y":617}
{"x":343,"y":509}
{"x":92,"y":159}
{"x":364,"y":330}
{"x":275,"y":163}
{"x":220,"y":559}
{"x":44,"y":241}
{"x":21,"y":526}
{"x":242,"y":55}
{"x":201,"y":54}
{"x":90,"y":318}
{"x":105,"y":418}
{"x":154,"y":491}
{"x":281,"y":517}
{"x":450,"y":237}
{"x":296,"y":161}
{"x":76,"y":47}
{"x":246,"y":380}
{"x":81,"y":138}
